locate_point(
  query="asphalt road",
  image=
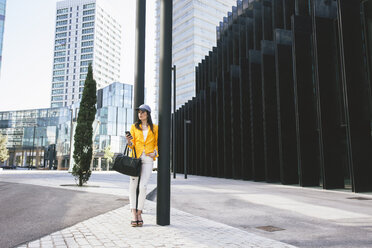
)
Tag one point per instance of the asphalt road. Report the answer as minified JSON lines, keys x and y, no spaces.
{"x":29,"y":212}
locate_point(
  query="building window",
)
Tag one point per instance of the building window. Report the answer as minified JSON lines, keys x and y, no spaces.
{"x":88,"y":31}
{"x":89,"y":6}
{"x":59,"y":54}
{"x":57,"y":85}
{"x":87,"y":56}
{"x":59,"y":66}
{"x":85,"y":63}
{"x":62,"y":11}
{"x":87,"y":43}
{"x":88,"y":24}
{"x":60,"y":42}
{"x":57,"y":98}
{"x":87,"y":37}
{"x":57,"y":92}
{"x":88,"y":18}
{"x":60,"y":29}
{"x":88,"y":12}
{"x":60,"y":47}
{"x":59,"y":72}
{"x":60,"y":17}
{"x":87,"y":50}
{"x":59,"y":60}
{"x":56,"y":79}
{"x":61,"y":35}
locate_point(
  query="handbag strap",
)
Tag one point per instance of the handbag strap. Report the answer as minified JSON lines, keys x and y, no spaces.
{"x":126,"y":151}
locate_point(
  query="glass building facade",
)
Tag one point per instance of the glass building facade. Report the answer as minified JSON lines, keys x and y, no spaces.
{"x":2,"y":20}
{"x":32,"y":132}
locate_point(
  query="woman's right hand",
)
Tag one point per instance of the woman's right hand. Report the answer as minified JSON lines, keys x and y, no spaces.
{"x":129,"y":138}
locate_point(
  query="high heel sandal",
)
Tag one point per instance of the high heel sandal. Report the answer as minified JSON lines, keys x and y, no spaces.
{"x":134,"y":223}
{"x":139,"y":223}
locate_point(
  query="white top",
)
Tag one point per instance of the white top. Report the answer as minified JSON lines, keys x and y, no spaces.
{"x":145,"y":132}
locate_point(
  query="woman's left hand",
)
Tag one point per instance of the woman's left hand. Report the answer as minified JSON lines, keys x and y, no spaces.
{"x":151,"y":155}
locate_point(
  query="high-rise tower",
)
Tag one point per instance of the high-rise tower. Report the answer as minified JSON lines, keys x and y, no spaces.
{"x":194,"y":33}
{"x":85,"y":33}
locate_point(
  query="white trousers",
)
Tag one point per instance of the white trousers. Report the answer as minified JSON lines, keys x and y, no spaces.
{"x":147,"y":163}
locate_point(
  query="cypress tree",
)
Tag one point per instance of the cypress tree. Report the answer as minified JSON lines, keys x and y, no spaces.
{"x":84,"y":130}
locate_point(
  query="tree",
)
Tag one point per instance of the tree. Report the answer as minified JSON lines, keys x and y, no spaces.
{"x":3,"y":150}
{"x":108,"y":156}
{"x":84,"y":130}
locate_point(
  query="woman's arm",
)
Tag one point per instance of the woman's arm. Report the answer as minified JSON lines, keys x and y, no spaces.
{"x":132,"y":142}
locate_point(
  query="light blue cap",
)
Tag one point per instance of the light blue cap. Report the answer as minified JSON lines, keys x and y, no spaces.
{"x":144,"y":107}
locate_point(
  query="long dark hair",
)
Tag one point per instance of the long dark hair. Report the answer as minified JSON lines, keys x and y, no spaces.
{"x":149,"y":121}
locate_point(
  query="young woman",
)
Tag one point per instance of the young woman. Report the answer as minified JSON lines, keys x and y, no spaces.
{"x":144,"y":139}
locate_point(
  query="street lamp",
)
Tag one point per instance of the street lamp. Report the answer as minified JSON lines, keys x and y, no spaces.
{"x":174,"y":123}
{"x":185,"y":147}
{"x":165,"y":92}
{"x":71,"y":136}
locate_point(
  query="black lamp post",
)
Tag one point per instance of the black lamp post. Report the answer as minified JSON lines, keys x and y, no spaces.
{"x":165,"y":89}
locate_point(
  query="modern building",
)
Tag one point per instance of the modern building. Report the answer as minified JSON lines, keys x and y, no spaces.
{"x":32,"y":132}
{"x":85,"y":33}
{"x":194,"y":34}
{"x":2,"y":20}
{"x":278,"y":109}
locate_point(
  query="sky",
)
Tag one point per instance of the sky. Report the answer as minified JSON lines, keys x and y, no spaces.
{"x":26,"y":73}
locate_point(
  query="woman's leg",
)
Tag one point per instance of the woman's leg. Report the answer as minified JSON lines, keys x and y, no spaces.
{"x":146,"y":172}
{"x":133,"y":182}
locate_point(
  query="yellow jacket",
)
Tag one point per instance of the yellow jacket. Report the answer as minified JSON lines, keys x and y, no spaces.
{"x":151,"y":143}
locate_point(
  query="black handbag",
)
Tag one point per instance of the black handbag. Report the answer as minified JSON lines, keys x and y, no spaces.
{"x":127,"y":165}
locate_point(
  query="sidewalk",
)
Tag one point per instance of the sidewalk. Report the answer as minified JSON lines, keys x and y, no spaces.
{"x":113,"y":229}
